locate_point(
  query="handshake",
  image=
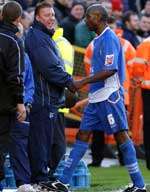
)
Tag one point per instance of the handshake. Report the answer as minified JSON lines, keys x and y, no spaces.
{"x":71,"y":94}
{"x":77,"y":84}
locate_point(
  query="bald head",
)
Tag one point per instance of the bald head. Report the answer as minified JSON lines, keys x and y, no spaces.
{"x":99,"y":10}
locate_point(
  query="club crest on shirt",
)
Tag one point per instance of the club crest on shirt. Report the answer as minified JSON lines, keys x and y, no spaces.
{"x":109,"y":59}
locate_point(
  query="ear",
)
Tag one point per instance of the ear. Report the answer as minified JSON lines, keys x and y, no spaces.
{"x":96,"y":17}
{"x":37,"y":17}
{"x":127,"y":23}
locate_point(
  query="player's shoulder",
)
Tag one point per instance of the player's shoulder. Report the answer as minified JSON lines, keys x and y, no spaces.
{"x":108,"y":36}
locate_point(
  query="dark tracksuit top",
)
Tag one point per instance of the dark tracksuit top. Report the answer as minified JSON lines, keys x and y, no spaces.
{"x":50,"y":80}
{"x":11,"y":68}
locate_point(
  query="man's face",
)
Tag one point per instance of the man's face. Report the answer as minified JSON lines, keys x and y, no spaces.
{"x":27,"y":21}
{"x":91,"y":22}
{"x":145,"y":23}
{"x":78,"y":11}
{"x":47,"y":17}
{"x":134,"y":22}
{"x":108,"y":6}
{"x":147,"y":7}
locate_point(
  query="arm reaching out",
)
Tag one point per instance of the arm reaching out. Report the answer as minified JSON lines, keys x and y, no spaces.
{"x":93,"y":78}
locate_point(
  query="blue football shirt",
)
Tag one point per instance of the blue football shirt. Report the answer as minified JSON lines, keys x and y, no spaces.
{"x":107,"y":55}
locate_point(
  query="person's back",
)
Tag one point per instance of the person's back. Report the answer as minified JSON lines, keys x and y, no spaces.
{"x":141,"y":72}
{"x":11,"y":66}
{"x":141,"y":67}
{"x":9,"y":45}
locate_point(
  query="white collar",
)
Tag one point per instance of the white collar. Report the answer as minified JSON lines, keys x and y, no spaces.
{"x":102,"y":32}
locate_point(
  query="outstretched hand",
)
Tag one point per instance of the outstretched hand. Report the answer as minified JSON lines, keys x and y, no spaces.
{"x":76,"y":85}
{"x":79,"y":84}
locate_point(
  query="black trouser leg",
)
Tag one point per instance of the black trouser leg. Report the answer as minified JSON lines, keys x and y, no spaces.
{"x":97,"y":147}
{"x":146,"y":125}
{"x":6,"y":124}
{"x":59,"y":145}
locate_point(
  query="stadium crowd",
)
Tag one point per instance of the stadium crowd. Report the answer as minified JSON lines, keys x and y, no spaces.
{"x":48,"y":56}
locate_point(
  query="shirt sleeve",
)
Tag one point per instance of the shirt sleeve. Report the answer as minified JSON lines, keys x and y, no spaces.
{"x":108,"y":54}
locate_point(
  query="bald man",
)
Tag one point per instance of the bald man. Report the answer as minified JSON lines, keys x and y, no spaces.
{"x":106,"y":110}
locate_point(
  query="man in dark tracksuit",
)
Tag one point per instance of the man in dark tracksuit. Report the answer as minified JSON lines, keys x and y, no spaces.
{"x":50,"y":80}
{"x":11,"y":84}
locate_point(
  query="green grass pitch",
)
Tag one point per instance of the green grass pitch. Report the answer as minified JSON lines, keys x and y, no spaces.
{"x":113,"y":179}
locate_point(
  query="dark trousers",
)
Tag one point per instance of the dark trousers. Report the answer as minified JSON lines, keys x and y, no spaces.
{"x":97,"y":146}
{"x":42,"y":124}
{"x":7,"y":122}
{"x":146,"y":125}
{"x":59,"y":145}
{"x":19,"y":153}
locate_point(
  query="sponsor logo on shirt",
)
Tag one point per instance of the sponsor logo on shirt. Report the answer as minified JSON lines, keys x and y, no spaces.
{"x":109,"y":59}
{"x":111,"y":120}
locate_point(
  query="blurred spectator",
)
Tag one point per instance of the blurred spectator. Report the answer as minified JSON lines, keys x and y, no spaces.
{"x":129,"y":5}
{"x":142,"y":4}
{"x":23,"y":3}
{"x":69,"y":23}
{"x":108,"y":6}
{"x":146,"y":9}
{"x":144,"y":30}
{"x":61,"y":8}
{"x":83,"y":36}
{"x":116,"y":5}
{"x":90,"y":2}
{"x":30,"y":11}
{"x":131,"y":25}
{"x":26,"y":20}
{"x":141,"y":72}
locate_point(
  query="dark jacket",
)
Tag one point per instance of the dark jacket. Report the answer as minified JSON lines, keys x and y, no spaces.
{"x":68,"y":24}
{"x":11,"y":67}
{"x":83,"y":36}
{"x":60,"y":11}
{"x":50,"y":77}
{"x":131,"y":37}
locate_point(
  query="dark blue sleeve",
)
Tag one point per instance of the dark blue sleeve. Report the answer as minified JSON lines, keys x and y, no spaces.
{"x":51,"y":67}
{"x":28,"y":81}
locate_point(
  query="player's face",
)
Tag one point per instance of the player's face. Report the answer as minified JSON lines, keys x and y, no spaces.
{"x":47,"y":17}
{"x":91,"y":22}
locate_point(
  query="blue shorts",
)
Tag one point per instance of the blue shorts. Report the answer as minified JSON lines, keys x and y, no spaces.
{"x":108,"y":116}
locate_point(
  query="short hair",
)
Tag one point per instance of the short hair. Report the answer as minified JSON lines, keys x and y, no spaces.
{"x":127,"y":15}
{"x":99,"y":8}
{"x":11,"y":11}
{"x":144,"y":15}
{"x":40,"y":6}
